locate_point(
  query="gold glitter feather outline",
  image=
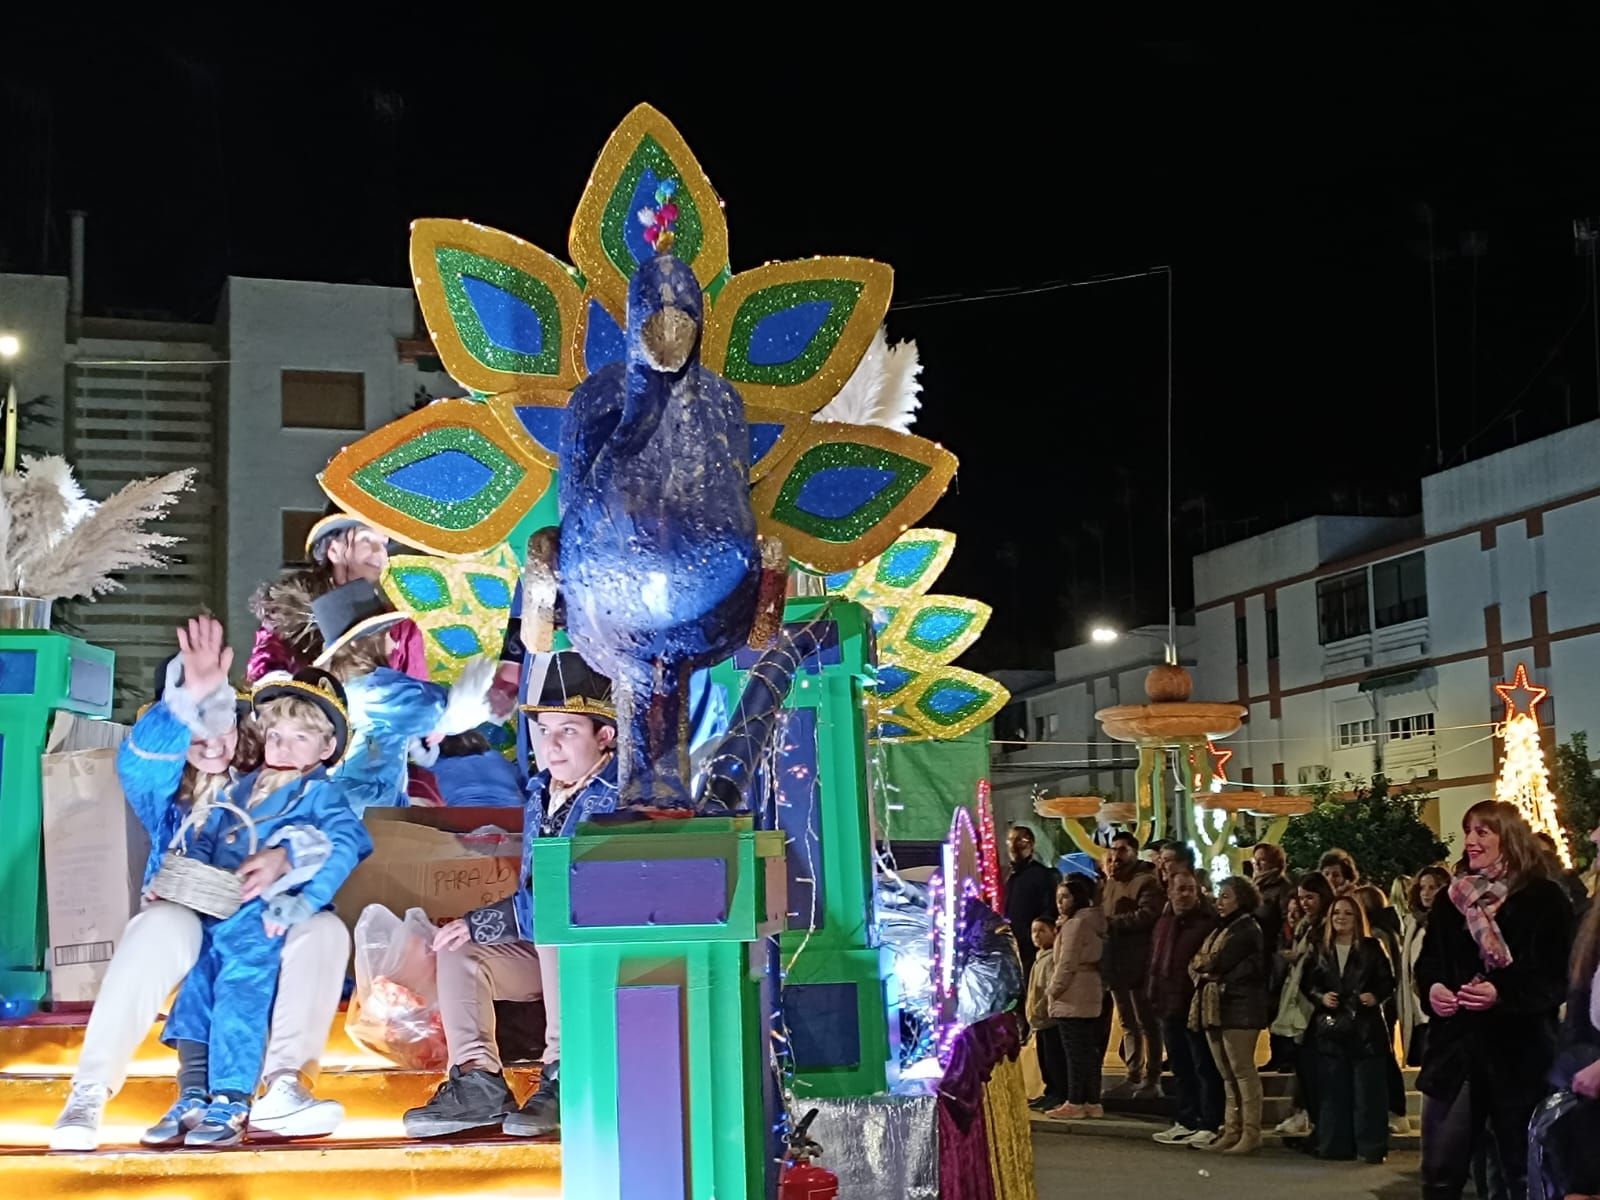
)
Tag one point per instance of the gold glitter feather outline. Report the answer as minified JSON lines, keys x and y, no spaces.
{"x":899,"y":650}
{"x":338,"y":481}
{"x":824,"y":557}
{"x":794,"y":428}
{"x":460,"y":608}
{"x":865,"y":586}
{"x":504,"y":407}
{"x":605,"y":281}
{"x":807,"y":396}
{"x":428,"y":236}
{"x":906,"y":706}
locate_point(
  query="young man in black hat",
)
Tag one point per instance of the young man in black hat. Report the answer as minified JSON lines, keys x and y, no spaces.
{"x":489,"y":954}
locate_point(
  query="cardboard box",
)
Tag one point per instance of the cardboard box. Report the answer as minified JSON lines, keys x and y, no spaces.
{"x":445,"y":861}
{"x":95,"y":851}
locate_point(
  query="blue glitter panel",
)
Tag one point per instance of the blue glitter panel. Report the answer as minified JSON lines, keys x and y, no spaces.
{"x":783,"y":336}
{"x":604,"y":342}
{"x":891,"y":678}
{"x":938,"y":626}
{"x":458,"y":641}
{"x":644,"y":196}
{"x":449,"y":476}
{"x":951,"y":698}
{"x":543,"y":424}
{"x":424,"y":589}
{"x":764,"y":437}
{"x":490,"y":591}
{"x":824,"y":1023}
{"x":892,"y":729}
{"x":832,"y":582}
{"x":507,"y":320}
{"x":800,"y":815}
{"x":17,"y":672}
{"x":901,"y":564}
{"x":833,"y":493}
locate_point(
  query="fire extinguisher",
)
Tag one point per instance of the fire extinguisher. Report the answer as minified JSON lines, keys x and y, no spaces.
{"x":801,"y":1180}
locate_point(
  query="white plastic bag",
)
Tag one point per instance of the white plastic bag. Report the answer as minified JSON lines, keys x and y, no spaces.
{"x":395,"y":1008}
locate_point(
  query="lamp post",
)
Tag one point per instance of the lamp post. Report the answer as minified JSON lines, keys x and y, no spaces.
{"x":1104,"y":635}
{"x":10,"y":347}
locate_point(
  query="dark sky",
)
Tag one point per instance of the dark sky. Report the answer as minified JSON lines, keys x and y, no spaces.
{"x":1288,"y":183}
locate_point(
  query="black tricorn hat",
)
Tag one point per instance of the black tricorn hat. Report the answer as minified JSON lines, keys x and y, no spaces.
{"x":350,"y":611}
{"x":319,"y":687}
{"x":570,"y":685}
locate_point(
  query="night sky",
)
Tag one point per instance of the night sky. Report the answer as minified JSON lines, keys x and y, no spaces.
{"x":1289,"y":190}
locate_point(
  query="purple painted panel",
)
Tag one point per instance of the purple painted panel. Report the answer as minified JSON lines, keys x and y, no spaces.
{"x":677,"y":891}
{"x":652,"y":1136}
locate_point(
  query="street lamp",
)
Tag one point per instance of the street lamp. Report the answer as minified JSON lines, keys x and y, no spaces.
{"x":1104,"y":635}
{"x":10,"y":347}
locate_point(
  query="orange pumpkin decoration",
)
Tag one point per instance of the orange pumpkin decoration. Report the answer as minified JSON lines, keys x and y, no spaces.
{"x":1168,"y":684}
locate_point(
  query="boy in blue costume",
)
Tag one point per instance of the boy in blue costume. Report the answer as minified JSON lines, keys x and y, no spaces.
{"x":225,"y":999}
{"x":490,"y":954}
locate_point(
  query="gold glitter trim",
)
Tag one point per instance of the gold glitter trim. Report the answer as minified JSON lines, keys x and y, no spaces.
{"x":794,"y":426}
{"x":504,"y":407}
{"x":581,"y":706}
{"x":321,"y":690}
{"x":428,"y":236}
{"x":877,"y":282}
{"x":461,"y":606}
{"x":584,"y":243}
{"x":897,"y":649}
{"x":866,"y":587}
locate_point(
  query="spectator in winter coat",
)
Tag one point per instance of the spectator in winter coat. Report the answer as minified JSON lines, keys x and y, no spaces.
{"x":1230,"y":1004}
{"x":1383,"y":925}
{"x":1133,"y":903}
{"x":1340,"y":870}
{"x":1569,"y":1145}
{"x":1077,"y":996}
{"x":1047,"y":1042}
{"x":1030,"y":892}
{"x":1184,"y":926}
{"x":1427,"y":888}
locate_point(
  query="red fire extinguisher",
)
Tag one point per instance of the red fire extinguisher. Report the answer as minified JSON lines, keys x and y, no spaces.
{"x":801,"y":1180}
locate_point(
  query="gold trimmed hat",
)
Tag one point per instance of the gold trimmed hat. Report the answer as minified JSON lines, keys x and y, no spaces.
{"x":570,"y":685}
{"x":319,"y":687}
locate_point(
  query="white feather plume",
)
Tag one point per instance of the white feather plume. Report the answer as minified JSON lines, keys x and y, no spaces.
{"x":883,"y":390}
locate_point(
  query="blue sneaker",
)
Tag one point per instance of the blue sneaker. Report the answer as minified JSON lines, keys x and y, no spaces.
{"x":222,"y":1124}
{"x":180,"y":1119}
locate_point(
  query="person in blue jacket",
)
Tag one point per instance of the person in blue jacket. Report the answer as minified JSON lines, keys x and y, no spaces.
{"x":470,"y":772}
{"x":224,"y":1001}
{"x":490,"y":954}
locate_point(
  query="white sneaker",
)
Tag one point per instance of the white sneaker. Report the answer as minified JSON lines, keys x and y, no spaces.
{"x":289,"y":1111}
{"x":1171,"y":1137}
{"x":1202,"y":1139}
{"x":1400,"y":1126}
{"x":78,"y":1126}
{"x":1297,"y":1124}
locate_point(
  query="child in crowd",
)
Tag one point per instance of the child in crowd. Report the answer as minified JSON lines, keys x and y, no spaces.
{"x":217,"y":1023}
{"x":1077,"y":995}
{"x":1046,"y":1040}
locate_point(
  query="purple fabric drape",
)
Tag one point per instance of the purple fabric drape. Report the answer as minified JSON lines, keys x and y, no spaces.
{"x":963,"y":1133}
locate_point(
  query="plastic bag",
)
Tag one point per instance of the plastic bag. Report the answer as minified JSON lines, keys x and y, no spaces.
{"x":395,"y":1008}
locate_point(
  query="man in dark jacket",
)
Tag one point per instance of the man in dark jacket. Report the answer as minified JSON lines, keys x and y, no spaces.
{"x":1179,"y":933}
{"x":1133,"y":903}
{"x":1030,"y":893}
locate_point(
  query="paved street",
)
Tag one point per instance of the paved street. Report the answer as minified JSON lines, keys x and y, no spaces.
{"x":1075,"y":1166}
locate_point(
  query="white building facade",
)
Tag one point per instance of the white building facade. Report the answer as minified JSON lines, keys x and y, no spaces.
{"x":1364,"y":646}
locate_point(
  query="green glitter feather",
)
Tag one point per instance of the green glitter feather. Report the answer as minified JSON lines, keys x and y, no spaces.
{"x":507,"y":473}
{"x":535,"y":293}
{"x":841,"y":295}
{"x":405,"y":581}
{"x":687,"y":230}
{"x":907,"y":472}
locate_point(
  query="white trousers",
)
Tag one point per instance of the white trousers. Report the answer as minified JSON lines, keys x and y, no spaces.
{"x":158,"y":948}
{"x":473,"y":977}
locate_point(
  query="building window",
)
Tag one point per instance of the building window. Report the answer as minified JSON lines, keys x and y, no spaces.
{"x":1402,"y":729}
{"x":1399,"y":590}
{"x":297,"y":522}
{"x":1272,"y":633}
{"x":1038,"y":729}
{"x":1241,"y":638}
{"x":324,"y":400}
{"x":1342,"y":607}
{"x":1053,"y":724}
{"x":1357,"y":733}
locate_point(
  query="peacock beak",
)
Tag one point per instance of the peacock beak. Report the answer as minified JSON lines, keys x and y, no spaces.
{"x":667,"y":338}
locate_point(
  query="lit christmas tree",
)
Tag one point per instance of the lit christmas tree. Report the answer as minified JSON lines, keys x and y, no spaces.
{"x":1524,"y":780}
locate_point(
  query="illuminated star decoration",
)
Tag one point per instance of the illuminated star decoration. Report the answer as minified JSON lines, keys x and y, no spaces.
{"x":1520,"y":683}
{"x":1219,"y":764}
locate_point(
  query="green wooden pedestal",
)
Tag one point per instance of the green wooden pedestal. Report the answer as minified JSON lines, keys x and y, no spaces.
{"x":40,"y":672}
{"x":662,"y":929}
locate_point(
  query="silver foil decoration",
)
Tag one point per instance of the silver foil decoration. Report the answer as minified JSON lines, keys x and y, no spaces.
{"x":883,"y":1147}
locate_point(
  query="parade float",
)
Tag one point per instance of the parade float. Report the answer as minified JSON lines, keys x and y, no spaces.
{"x":648,"y":465}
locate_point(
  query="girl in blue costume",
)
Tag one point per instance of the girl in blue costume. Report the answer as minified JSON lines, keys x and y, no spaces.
{"x":394,"y":718}
{"x":304,"y":729}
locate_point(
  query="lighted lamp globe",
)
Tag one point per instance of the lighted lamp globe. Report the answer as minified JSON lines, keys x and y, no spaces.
{"x":1101,"y":634}
{"x":10,"y":346}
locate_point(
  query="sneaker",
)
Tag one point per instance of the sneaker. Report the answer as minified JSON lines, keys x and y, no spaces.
{"x":465,"y":1100}
{"x":1400,"y":1126}
{"x":1094,"y":1110}
{"x":1201,"y":1138}
{"x":1147,"y":1091}
{"x":78,"y":1126}
{"x":1296,"y":1124}
{"x":1068,"y":1112}
{"x":180,"y":1119}
{"x":1178,"y":1133}
{"x":541,"y":1115}
{"x":288,"y":1110}
{"x":221,"y":1124}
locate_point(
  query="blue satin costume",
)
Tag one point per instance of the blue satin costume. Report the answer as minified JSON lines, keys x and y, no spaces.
{"x":388,"y":708}
{"x":226,"y":999}
{"x":150,"y":765}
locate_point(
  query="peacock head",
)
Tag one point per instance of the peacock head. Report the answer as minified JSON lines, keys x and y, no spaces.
{"x":664,"y":313}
